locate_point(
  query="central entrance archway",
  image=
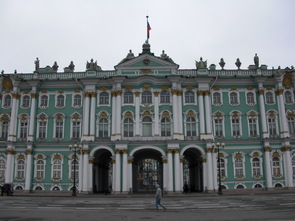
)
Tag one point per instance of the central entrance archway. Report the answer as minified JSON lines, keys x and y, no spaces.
{"x":193,"y":170}
{"x":147,"y":170}
{"x":102,"y":171}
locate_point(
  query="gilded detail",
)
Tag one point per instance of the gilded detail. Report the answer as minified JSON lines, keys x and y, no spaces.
{"x":156,"y":93}
{"x":280,"y":91}
{"x":128,"y":88}
{"x":137,"y":93}
{"x":146,"y":86}
{"x":261,"y":92}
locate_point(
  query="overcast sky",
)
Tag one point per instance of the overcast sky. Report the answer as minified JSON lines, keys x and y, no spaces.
{"x":105,"y":30}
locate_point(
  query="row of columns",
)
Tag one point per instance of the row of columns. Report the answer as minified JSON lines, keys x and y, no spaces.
{"x":205,"y":115}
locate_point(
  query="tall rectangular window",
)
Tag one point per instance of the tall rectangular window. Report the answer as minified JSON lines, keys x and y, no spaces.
{"x":76,"y":129}
{"x":23,"y":130}
{"x":42,"y":129}
{"x":252,"y":127}
{"x":236,"y":127}
{"x":59,"y":124}
{"x":218,"y":127}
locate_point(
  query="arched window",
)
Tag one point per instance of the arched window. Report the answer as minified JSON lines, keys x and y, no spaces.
{"x":77,"y":100}
{"x":240,"y":186}
{"x":7,"y":101}
{"x":59,"y":126}
{"x":103,"y":127}
{"x":42,"y":126}
{"x":234,"y":98}
{"x":165,"y":97}
{"x":189,"y":97}
{"x":257,"y":186}
{"x":2,"y":168}
{"x":288,"y":97}
{"x":40,"y":170}
{"x":239,"y":167}
{"x":278,"y":185}
{"x":276,"y":167}
{"x":269,"y":97}
{"x":23,"y":129}
{"x":44,"y":101}
{"x":4,"y":129}
{"x":191,"y":127}
{"x":146,"y":97}
{"x":26,"y":101}
{"x":147,"y":126}
{"x":128,"y":97}
{"x":56,"y":169}
{"x":20,"y":174}
{"x":104,"y":98}
{"x":250,"y":98}
{"x":60,"y":100}
{"x":128,"y":127}
{"x":256,"y":167}
{"x":74,"y":163}
{"x":216,"y":98}
{"x":165,"y":127}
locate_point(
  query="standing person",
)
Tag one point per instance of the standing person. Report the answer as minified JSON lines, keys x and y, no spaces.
{"x":158,"y":197}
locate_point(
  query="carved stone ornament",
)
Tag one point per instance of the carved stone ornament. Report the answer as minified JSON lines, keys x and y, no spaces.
{"x":7,"y":84}
{"x":287,"y":81}
{"x":238,"y":63}
{"x":221,"y":63}
{"x":146,"y":86}
{"x":128,"y":88}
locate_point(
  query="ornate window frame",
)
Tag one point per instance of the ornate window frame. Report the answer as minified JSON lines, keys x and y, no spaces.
{"x":42,"y":158}
{"x":20,"y":166}
{"x":7,"y":104}
{"x":4,"y":118}
{"x":75,"y":99}
{"x":218,"y":115}
{"x":290,"y":99}
{"x":42,"y":101}
{"x":57,"y":166}
{"x":278,"y":155}
{"x":71,"y":159}
{"x":147,"y":114}
{"x":100,"y":116}
{"x":239,"y":156}
{"x":104,"y":98}
{"x":2,"y":166}
{"x":236,"y":123}
{"x":269,"y":97}
{"x":220,"y":98}
{"x":25,"y":104}
{"x":42,"y":118}
{"x":223,"y":156}
{"x":128,"y":115}
{"x":165,"y":97}
{"x":23,"y":126}
{"x":248,"y":100}
{"x":189,"y":96}
{"x":166,"y":125}
{"x":290,"y":115}
{"x":256,"y":155}
{"x":128,"y":97}
{"x":59,"y":117}
{"x":253,"y":115}
{"x":234,"y":100}
{"x":273,"y":116}
{"x":76,"y":118}
{"x":60,"y":99}
{"x":191,"y":124}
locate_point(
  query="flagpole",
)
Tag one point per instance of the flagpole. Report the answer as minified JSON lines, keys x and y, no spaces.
{"x":147,"y":29}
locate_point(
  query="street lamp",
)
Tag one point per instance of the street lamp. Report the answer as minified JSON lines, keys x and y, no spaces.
{"x":218,"y":146}
{"x":75,"y":148}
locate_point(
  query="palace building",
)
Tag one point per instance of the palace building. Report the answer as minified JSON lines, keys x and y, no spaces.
{"x":148,"y":122}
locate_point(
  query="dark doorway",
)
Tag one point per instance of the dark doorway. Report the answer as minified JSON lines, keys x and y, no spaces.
{"x":193,"y":170}
{"x":147,"y":170}
{"x":102,"y":171}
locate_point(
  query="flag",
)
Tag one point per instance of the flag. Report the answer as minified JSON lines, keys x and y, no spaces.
{"x":148,"y":30}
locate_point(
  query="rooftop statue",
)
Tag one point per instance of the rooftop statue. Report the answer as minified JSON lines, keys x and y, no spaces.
{"x":166,"y":57}
{"x":201,"y":64}
{"x":55,"y":66}
{"x":221,"y":63}
{"x":92,"y":66}
{"x":130,"y":55}
{"x":238,"y":63}
{"x":256,"y":61}
{"x":37,"y":64}
{"x":72,"y":66}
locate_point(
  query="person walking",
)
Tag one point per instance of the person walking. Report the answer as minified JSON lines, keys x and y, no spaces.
{"x":158,"y":198}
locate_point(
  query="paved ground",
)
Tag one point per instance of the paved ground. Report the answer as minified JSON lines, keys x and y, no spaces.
{"x":278,"y":206}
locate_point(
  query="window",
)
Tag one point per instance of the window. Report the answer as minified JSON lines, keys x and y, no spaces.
{"x":104,"y":98}
{"x":234,"y":98}
{"x":257,"y":186}
{"x":189,"y":97}
{"x":20,"y":174}
{"x":288,"y":97}
{"x":40,"y":169}
{"x":23,"y":130}
{"x":272,"y":128}
{"x":293,"y":165}
{"x":59,"y":126}
{"x":7,"y":101}
{"x":250,"y":98}
{"x":128,"y":127}
{"x":74,"y":167}
{"x":252,"y":122}
{"x":147,"y":126}
{"x":216,"y":98}
{"x":146,"y":97}
{"x":26,"y":101}
{"x":256,"y":167}
{"x":2,"y":168}
{"x":291,"y":125}
{"x":165,"y":127}
{"x":128,"y":97}
{"x":4,"y":129}
{"x":77,"y":100}
{"x":42,"y":129}
{"x":60,"y":101}
{"x":165,"y":97}
{"x":76,"y":129}
{"x":56,"y":169}
{"x":239,"y":167}
{"x":269,"y":97}
{"x":218,"y":126}
{"x":44,"y":101}
{"x":191,"y":127}
{"x":235,"y":127}
{"x":103,"y":127}
{"x":222,"y":168}
{"x":276,"y":167}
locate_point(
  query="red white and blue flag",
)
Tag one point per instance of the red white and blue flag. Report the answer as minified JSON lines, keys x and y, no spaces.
{"x":148,"y":29}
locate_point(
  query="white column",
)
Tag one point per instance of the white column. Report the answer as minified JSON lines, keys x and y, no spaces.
{"x":214,"y":163}
{"x":32,"y":117}
{"x":201,"y":114}
{"x":288,"y":166}
{"x":9,"y":166}
{"x":118,"y":115}
{"x":181,"y":171}
{"x":165,"y":173}
{"x":13,"y":118}
{"x":156,"y":109}
{"x":177,"y":170}
{"x":28,"y":168}
{"x":170,"y":171}
{"x":117,"y":184}
{"x":80,"y":187}
{"x":282,"y":115}
{"x":129,"y":173}
{"x":86,"y":116}
{"x":114,"y":104}
{"x":85,"y":169}
{"x":208,"y":114}
{"x":124,"y":171}
{"x":210,"y":183}
{"x":180,"y":116}
{"x":205,"y":178}
{"x":175,"y":115}
{"x":267,"y":167}
{"x":137,"y":114}
{"x":262,"y":113}
{"x":90,"y":174}
{"x":114,"y":172}
{"x":92,"y":116}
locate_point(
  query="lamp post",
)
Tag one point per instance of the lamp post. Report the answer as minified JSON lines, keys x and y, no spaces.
{"x":218,"y":146}
{"x":75,"y":148}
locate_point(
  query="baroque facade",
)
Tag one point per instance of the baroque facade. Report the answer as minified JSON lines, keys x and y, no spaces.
{"x":148,"y":122}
